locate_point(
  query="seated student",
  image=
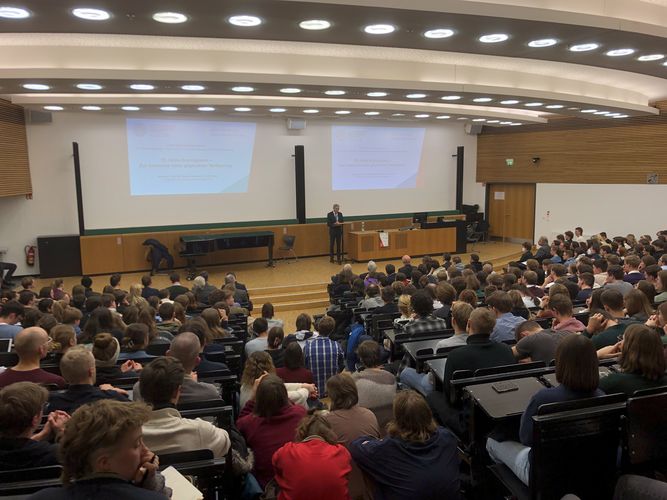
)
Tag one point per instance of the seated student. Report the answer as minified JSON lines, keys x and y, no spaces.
{"x":424,"y":321}
{"x":100,"y":320}
{"x":390,"y":271}
{"x":214,"y":322}
{"x":578,"y":376}
{"x":376,"y":387}
{"x":275,"y":346}
{"x":21,"y":406}
{"x":78,"y":368}
{"x":388,"y":295}
{"x":304,"y":323}
{"x":135,"y":342}
{"x":31,"y":345}
{"x":615,"y":281}
{"x":268,"y":314}
{"x":106,"y":350}
{"x":324,"y":357}
{"x":165,"y":430}
{"x":500,"y":304}
{"x":405,"y":309}
{"x":259,"y":363}
{"x":527,"y":249}
{"x":480,"y":352}
{"x":446,"y":294}
{"x":185,"y":348}
{"x":661,"y":287}
{"x":267,"y":421}
{"x":11,"y":313}
{"x":373,"y":299}
{"x":536,"y":344}
{"x":176,"y":289}
{"x":561,"y":306}
{"x":260,"y":330}
{"x":203,"y":289}
{"x":168,"y":321}
{"x":314,"y":465}
{"x":642,"y":362}
{"x":631,"y":269}
{"x":199,"y":328}
{"x":64,"y":338}
{"x":529,"y":278}
{"x":613,"y":303}
{"x":294,"y":370}
{"x":417,"y":459}
{"x":103,"y":456}
{"x":147,"y":291}
{"x":637,"y":306}
{"x":585,"y":281}
{"x":423,"y":382}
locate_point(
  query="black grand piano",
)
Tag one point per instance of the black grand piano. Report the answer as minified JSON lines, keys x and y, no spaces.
{"x":201,"y":244}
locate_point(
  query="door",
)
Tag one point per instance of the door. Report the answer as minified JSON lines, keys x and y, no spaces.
{"x":511,"y":211}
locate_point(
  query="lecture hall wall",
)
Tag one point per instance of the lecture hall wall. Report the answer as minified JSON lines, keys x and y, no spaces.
{"x":52,"y":210}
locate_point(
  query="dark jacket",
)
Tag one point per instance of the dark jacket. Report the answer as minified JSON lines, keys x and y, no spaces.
{"x":107,"y":374}
{"x":98,"y":488}
{"x":147,"y":291}
{"x":78,"y":395}
{"x":389,"y":308}
{"x":25,"y":453}
{"x":407,"y":270}
{"x":176,"y":290}
{"x":331,"y":221}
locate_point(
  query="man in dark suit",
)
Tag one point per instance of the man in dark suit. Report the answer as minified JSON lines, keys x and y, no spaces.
{"x":407,"y":266}
{"x":335,"y":223}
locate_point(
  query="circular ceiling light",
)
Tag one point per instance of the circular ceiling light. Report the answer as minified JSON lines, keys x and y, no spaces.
{"x":620,"y":52}
{"x":53,"y":108}
{"x":91,"y":14}
{"x":509,"y":102}
{"x":651,"y":57}
{"x":170,"y":17}
{"x":290,"y":90}
{"x":379,"y":29}
{"x":311,"y":111}
{"x":168,"y":108}
{"x":372,"y":113}
{"x":555,"y":106}
{"x":206,"y":108}
{"x":450,"y":97}
{"x":242,"y":109}
{"x":343,"y":112}
{"x":277,"y":110}
{"x":335,"y":92}
{"x":589,"y":110}
{"x":245,"y":21}
{"x":493,"y":38}
{"x":439,"y":33}
{"x":479,"y":119}
{"x":422,"y":115}
{"x":584,"y":47}
{"x":315,"y":24}
{"x":243,"y":89}
{"x":415,"y":96}
{"x":91,"y":108}
{"x":193,"y":88}
{"x":482,"y":99}
{"x":534,"y":104}
{"x":544,"y":42}
{"x":142,"y":86}
{"x":35,"y":86}
{"x":130,"y":108}
{"x":88,"y":86}
{"x":13,"y":13}
{"x":443,"y":117}
{"x":377,"y":94}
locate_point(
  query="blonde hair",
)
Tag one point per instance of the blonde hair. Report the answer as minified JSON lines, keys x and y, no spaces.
{"x":76,"y":364}
{"x":404,"y":305}
{"x":134,"y":297}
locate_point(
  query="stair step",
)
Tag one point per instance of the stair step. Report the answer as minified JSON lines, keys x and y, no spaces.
{"x":277,"y":298}
{"x":302,"y":305}
{"x":277,"y":290}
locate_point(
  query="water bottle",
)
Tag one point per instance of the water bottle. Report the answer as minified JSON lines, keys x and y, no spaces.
{"x":363,"y":226}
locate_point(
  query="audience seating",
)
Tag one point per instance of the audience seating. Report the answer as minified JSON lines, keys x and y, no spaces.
{"x":220,"y":411}
{"x":157,"y":349}
{"x":645,"y":449}
{"x":27,"y":481}
{"x":210,"y":474}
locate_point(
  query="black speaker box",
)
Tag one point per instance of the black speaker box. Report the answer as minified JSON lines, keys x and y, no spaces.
{"x":59,"y":256}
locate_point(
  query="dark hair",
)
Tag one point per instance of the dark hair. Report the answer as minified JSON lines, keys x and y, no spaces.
{"x":421,"y":303}
{"x":303,"y":322}
{"x":267,"y":310}
{"x":20,"y":403}
{"x":45,"y":305}
{"x":388,"y":294}
{"x":648,"y":289}
{"x":369,"y":353}
{"x":445,"y":293}
{"x":342,"y":390}
{"x":561,"y":305}
{"x":12,"y":307}
{"x":613,"y":299}
{"x":174,"y":277}
{"x":146,"y":280}
{"x":643,"y":352}
{"x":260,"y":325}
{"x":390,"y":269}
{"x":99,"y":321}
{"x":587,"y":278}
{"x":136,"y":337}
{"x":326,"y":326}
{"x":275,"y":338}
{"x":413,"y":420}
{"x":293,"y":356}
{"x":314,"y":424}
{"x":577,"y":364}
{"x":500,"y":301}
{"x":87,"y":281}
{"x":199,"y":327}
{"x":636,"y":302}
{"x":26,"y":296}
{"x":114,"y":279}
{"x":271,"y":396}
{"x":166,"y":311}
{"x":159,"y":379}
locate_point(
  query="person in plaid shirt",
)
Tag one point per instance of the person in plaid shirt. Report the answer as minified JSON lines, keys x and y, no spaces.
{"x":324,"y":357}
{"x":425,"y":322}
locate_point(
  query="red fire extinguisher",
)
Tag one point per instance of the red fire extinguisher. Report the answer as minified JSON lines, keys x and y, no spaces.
{"x":30,"y":255}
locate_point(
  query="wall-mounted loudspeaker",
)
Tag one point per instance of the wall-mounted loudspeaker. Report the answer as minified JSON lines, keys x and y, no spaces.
{"x":33,"y":117}
{"x":295,"y":124}
{"x":473,"y":128}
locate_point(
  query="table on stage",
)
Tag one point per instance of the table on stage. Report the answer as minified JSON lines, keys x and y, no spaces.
{"x":365,"y":245}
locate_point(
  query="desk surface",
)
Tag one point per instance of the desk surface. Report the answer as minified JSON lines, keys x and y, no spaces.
{"x":551,"y":377}
{"x":438,"y":367}
{"x":502,"y":405}
{"x":413,"y":347}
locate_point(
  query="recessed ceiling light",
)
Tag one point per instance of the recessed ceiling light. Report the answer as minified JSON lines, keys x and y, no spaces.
{"x":506,"y":123}
{"x":664,"y":64}
{"x":193,"y":88}
{"x":243,"y":89}
{"x":311,"y":111}
{"x":515,"y":124}
{"x":290,"y":90}
{"x":142,"y":86}
{"x":242,"y":109}
{"x":91,"y":14}
{"x":415,"y":96}
{"x":372,"y":113}
{"x":492,"y":121}
{"x":14,"y":13}
{"x":584,"y":47}
{"x":314,"y":24}
{"x":443,"y":117}
{"x":509,"y":101}
{"x":422,"y":115}
{"x":277,"y":110}
{"x":589,"y":110}
{"x":335,"y":92}
{"x":482,"y":99}
{"x":462,"y":118}
{"x":130,"y":108}
{"x":439,"y":33}
{"x":91,"y":108}
{"x":555,"y":106}
{"x":651,"y":57}
{"x":614,"y":114}
{"x":619,"y":52}
{"x":601,"y":113}
{"x":379,"y":29}
{"x":35,"y":86}
{"x":205,"y":108}
{"x":398,"y":114}
{"x":343,"y":112}
{"x":89,"y":86}
{"x":494,"y":38}
{"x":621,"y":116}
{"x":245,"y":21}
{"x":450,"y":97}
{"x":534,"y":104}
{"x":168,"y":108}
{"x":377,"y":94}
{"x":170,"y":17}
{"x":479,"y":119}
{"x":544,"y":42}
{"x":53,"y":108}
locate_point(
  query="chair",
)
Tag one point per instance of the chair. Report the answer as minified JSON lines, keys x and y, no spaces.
{"x":157,"y":349}
{"x":215,"y":408}
{"x":26,"y":481}
{"x":288,"y":246}
{"x":211,"y":474}
{"x":647,"y":432}
{"x":476,"y":232}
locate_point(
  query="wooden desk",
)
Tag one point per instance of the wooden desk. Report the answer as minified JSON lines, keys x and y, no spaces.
{"x":551,"y":377}
{"x":365,"y":245}
{"x":507,"y":404}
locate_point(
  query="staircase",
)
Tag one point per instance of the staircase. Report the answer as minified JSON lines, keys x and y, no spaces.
{"x":292,"y":297}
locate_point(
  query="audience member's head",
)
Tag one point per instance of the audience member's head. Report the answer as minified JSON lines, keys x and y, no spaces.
{"x":185,"y":347}
{"x":106,"y":350}
{"x":304,"y":322}
{"x":577,"y":364}
{"x":256,"y":364}
{"x":276,"y":337}
{"x":369,"y":354}
{"x":32,"y":344}
{"x":136,"y":337}
{"x":413,"y":421}
{"x":12,"y":312}
{"x":21,"y":405}
{"x":500,"y":303}
{"x":326,"y":326}
{"x":271,"y":396}
{"x":342,"y":390}
{"x":461,"y":312}
{"x":642,"y":352}
{"x":161,"y":381}
{"x":421,"y":303}
{"x":612,"y":301}
{"x":267,"y":310}
{"x":77,"y":366}
{"x":482,"y":322}
{"x":315,"y":424}
{"x":293,"y":359}
{"x":526,"y":329}
{"x":64,"y":337}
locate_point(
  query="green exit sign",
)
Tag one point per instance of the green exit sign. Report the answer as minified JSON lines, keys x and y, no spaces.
{"x":509,"y":161}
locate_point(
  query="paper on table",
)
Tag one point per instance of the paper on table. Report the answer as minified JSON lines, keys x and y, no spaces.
{"x":384,"y":239}
{"x":182,"y":489}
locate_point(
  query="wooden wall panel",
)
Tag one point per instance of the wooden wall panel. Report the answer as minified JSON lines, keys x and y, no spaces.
{"x":513,"y":216}
{"x":14,"y":165}
{"x":601,"y":154}
{"x":102,"y":254}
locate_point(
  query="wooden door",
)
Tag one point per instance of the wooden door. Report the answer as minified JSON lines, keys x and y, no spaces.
{"x":511,"y":211}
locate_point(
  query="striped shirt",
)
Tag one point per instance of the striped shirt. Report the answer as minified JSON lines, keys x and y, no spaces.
{"x":324,"y":357}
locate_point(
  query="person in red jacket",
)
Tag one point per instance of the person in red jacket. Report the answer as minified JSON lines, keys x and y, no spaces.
{"x":268,"y":421}
{"x":315,"y":466}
